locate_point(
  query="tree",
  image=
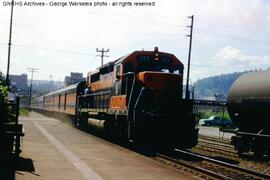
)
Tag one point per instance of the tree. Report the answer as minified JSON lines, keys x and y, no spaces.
{"x":3,"y":99}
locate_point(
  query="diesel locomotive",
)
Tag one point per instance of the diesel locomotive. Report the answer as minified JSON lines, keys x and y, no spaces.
{"x":249,"y":106}
{"x":137,"y":98}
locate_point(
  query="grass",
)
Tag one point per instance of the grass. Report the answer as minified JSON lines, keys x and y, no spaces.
{"x":24,"y":112}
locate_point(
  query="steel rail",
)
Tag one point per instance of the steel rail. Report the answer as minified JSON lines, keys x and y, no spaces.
{"x":217,"y":149}
{"x":232,"y":166}
{"x":215,"y":143}
{"x":225,"y":141}
{"x":196,"y":168}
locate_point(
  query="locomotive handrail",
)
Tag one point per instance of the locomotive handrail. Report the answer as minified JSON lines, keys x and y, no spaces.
{"x":126,"y":74}
{"x":253,"y":134}
{"x":137,"y":101}
{"x":129,"y":100}
{"x":260,"y":131}
{"x":210,"y":102}
{"x":94,"y":94}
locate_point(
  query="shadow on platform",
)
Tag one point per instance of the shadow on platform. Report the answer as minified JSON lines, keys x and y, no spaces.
{"x":10,"y":164}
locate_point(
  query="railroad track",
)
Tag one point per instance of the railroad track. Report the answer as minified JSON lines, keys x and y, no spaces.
{"x":207,"y":168}
{"x":188,"y":167}
{"x":217,"y":147}
{"x":215,"y":139}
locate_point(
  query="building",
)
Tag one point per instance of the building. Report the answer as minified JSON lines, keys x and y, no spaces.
{"x":19,"y":83}
{"x":73,"y":78}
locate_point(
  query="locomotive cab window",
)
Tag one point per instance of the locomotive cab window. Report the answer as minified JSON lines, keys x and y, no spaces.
{"x":165,"y":60}
{"x":95,"y":77}
{"x":117,"y":73}
{"x":178,"y":71}
{"x":165,"y":70}
{"x":145,"y":59}
{"x":88,"y":79}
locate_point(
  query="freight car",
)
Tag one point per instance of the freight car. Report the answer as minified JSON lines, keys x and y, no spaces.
{"x":137,"y":97}
{"x":249,"y":106}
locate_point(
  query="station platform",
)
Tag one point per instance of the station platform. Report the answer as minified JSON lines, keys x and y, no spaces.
{"x":52,"y":149}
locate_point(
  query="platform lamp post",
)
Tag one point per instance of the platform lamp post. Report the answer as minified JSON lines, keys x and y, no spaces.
{"x":9,"y":43}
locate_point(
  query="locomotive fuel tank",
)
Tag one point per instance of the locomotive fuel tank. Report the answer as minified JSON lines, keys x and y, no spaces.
{"x":249,"y":102}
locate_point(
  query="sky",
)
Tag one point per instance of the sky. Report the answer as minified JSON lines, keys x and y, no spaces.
{"x":228,"y":36}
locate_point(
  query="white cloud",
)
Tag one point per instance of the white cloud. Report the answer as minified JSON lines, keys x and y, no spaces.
{"x":230,"y":56}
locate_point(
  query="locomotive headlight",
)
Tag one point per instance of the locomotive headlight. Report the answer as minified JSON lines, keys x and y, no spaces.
{"x":156,"y":56}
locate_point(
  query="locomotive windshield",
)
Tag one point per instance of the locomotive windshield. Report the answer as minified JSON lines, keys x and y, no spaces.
{"x":164,"y":64}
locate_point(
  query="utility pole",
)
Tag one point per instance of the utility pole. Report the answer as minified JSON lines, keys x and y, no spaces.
{"x":189,"y":55}
{"x":102,"y":51}
{"x":32,"y":70}
{"x":9,"y":42}
{"x":51,"y":83}
{"x":51,"y":87}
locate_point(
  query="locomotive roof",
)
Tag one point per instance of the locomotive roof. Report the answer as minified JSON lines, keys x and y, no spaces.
{"x":125,"y":59}
{"x":128,"y":58}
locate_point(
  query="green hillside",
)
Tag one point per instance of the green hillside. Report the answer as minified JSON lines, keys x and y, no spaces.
{"x":216,"y":87}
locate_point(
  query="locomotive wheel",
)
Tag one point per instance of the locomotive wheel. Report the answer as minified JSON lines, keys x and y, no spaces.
{"x":239,"y":149}
{"x":240,"y":152}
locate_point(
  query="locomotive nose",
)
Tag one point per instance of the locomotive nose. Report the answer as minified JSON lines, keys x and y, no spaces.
{"x":160,"y":80}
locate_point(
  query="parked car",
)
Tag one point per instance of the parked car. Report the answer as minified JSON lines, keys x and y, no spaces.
{"x":216,"y":121}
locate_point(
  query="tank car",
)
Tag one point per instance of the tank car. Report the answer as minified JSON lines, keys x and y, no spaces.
{"x":249,"y":106}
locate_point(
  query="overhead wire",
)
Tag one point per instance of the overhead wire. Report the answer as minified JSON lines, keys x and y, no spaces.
{"x":66,"y":43}
{"x":91,"y":30}
{"x":94,"y":22}
{"x":231,"y":37}
{"x":55,"y":50}
{"x":174,"y":39}
{"x":201,"y":50}
{"x":199,"y":31}
{"x":260,"y":13}
{"x":155,"y":36}
{"x":141,"y":17}
{"x":220,"y":66}
{"x":200,"y":43}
